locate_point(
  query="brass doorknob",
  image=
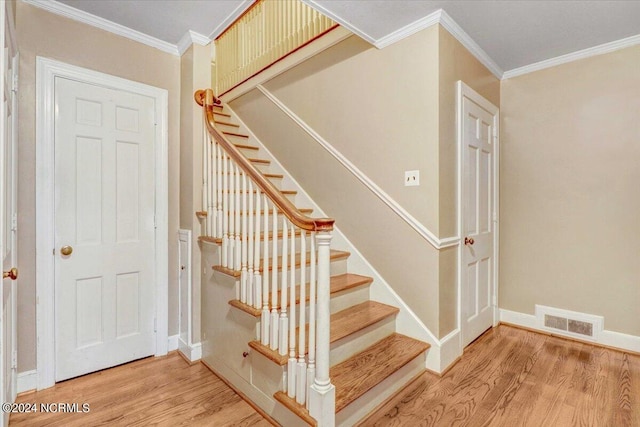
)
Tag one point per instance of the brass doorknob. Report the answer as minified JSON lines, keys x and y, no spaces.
{"x":66,"y":250}
{"x":11,"y":274}
{"x":469,"y":241}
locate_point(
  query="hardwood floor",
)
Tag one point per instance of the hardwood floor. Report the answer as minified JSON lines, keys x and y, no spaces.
{"x":508,"y":377}
{"x":154,"y":391}
{"x":512,"y":377}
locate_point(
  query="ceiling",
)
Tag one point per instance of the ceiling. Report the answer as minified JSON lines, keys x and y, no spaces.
{"x":513,"y":34}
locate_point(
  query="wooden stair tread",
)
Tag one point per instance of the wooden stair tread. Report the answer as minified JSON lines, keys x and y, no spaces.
{"x":218,"y":106}
{"x":263,"y":161}
{"x":306,"y":211}
{"x":334,"y":255}
{"x":295,"y":407}
{"x":209,"y":239}
{"x":363,"y":371}
{"x":222,"y":114}
{"x":241,"y":135}
{"x":247,"y":147}
{"x":343,"y":323}
{"x":240,"y":191}
{"x":220,"y":122}
{"x":337,"y":284}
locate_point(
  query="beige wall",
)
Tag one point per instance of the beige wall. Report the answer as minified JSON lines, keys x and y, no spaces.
{"x":455,"y":63}
{"x":40,"y":33}
{"x":195,"y":74}
{"x":364,"y":101}
{"x":569,"y":189}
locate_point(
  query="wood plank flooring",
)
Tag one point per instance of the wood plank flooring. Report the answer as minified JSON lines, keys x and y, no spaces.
{"x":508,"y":377}
{"x":512,"y":377}
{"x":163,"y":391}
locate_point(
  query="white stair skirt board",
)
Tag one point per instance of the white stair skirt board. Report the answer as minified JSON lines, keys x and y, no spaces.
{"x":407,"y":322}
{"x":27,"y":381}
{"x":607,"y":338}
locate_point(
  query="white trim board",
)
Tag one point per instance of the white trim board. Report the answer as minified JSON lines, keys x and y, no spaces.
{"x":47,"y":71}
{"x":364,"y":179}
{"x":607,"y":338}
{"x":189,"y":38}
{"x":27,"y":381}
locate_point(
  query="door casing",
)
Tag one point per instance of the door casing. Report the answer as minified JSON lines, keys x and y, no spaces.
{"x":464,"y":91}
{"x":47,"y":71}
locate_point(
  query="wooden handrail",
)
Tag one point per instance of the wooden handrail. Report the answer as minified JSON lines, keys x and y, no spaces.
{"x":207,"y":100}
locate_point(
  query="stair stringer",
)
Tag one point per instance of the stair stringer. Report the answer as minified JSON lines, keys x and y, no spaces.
{"x":442,"y":352}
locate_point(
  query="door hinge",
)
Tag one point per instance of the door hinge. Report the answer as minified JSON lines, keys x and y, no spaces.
{"x":155,"y":324}
{"x":494,"y":300}
{"x":14,"y":222}
{"x":14,"y":360}
{"x":14,"y":89}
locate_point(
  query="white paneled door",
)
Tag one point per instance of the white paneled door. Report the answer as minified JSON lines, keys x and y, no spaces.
{"x":8,"y":206}
{"x":104,"y":227}
{"x":479,"y":119}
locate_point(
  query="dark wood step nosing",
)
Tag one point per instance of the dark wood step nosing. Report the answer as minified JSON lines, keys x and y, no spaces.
{"x":239,"y":135}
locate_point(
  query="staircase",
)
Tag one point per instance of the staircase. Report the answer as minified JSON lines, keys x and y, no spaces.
{"x":368,"y":361}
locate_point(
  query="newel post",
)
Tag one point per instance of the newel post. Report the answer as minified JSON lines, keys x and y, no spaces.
{"x":322,"y":396}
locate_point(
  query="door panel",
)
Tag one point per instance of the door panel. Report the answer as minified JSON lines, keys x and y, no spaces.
{"x":478,"y":234}
{"x":104,"y":210}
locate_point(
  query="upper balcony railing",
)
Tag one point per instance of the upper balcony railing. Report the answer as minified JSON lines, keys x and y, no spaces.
{"x":267,"y":32}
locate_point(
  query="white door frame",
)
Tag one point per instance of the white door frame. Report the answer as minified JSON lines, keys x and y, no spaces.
{"x":46,"y":72}
{"x":464,"y":91}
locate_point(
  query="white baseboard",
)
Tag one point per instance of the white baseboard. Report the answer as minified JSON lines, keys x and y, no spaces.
{"x":172,"y":342}
{"x":192,"y":352}
{"x":607,"y":338}
{"x":27,"y":381}
{"x":450,"y":349}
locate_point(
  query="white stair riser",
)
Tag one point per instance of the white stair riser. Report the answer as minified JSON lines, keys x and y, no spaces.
{"x":357,"y":342}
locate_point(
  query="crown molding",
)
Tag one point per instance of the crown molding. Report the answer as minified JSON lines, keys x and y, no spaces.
{"x":237,"y":12}
{"x":189,"y":38}
{"x":422,"y":23}
{"x":339,"y":20}
{"x":104,"y":24}
{"x":574,"y":56}
{"x":465,"y":39}
{"x":438,"y":17}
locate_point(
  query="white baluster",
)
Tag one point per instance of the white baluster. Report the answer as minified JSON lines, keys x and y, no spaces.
{"x":247,"y":243}
{"x":265,"y":320}
{"x":301,"y":368}
{"x":232,"y":214}
{"x":219,"y":185}
{"x":311,"y":367}
{"x":283,"y":345}
{"x":244,"y":291}
{"x":322,"y":400}
{"x":225,"y":208}
{"x":291,"y":363}
{"x":205,"y":181}
{"x":211,"y":190}
{"x":274,"y":280}
{"x":257,"y":279}
{"x":237,"y":265}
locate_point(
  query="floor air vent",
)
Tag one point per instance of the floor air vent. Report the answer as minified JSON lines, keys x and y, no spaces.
{"x":569,"y":323}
